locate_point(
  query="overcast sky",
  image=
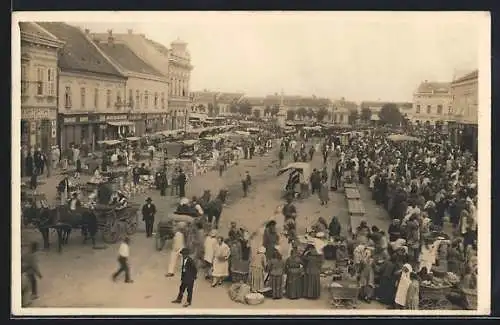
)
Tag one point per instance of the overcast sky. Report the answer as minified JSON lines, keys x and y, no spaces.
{"x":359,"y":56}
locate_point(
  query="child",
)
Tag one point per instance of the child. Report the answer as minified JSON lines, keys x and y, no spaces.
{"x":413,"y":293}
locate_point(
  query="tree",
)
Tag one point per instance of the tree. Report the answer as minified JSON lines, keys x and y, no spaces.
{"x":245,"y":108}
{"x":366,"y":114}
{"x":321,"y":114}
{"x":275,"y":110}
{"x":210,"y":109}
{"x":301,"y":112}
{"x":390,"y":114}
{"x":310,"y":113}
{"x":353,"y":116}
{"x":267,"y":111}
{"x":290,"y":115}
{"x":256,"y":113}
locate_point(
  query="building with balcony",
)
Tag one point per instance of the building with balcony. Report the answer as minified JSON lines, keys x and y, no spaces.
{"x":431,"y":103}
{"x":89,"y":88}
{"x":146,"y":90}
{"x":39,"y":74}
{"x":463,"y":117}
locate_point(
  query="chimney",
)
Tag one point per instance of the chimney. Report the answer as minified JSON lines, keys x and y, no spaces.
{"x":130,"y":31}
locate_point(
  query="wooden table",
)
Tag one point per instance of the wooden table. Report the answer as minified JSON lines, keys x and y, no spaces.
{"x":352,"y":194}
{"x":356,"y":208}
{"x":350,"y":185}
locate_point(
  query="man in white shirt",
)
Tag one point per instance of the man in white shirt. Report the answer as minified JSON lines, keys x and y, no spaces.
{"x":123,"y":255}
{"x":177,"y":246}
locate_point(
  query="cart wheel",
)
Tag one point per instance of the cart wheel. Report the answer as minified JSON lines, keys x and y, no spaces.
{"x":426,"y":304}
{"x":337,"y":303}
{"x":159,"y":242}
{"x":443,"y":304}
{"x":111,"y":233}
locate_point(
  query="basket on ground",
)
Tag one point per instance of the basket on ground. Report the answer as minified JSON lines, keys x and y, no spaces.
{"x":343,"y":296}
{"x":434,"y":297}
{"x":254,"y":298}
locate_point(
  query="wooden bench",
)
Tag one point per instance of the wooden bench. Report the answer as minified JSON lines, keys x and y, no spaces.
{"x":356,"y":208}
{"x":352,"y":194}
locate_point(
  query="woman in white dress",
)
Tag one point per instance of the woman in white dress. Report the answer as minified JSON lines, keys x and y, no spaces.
{"x":403,"y":285}
{"x":220,"y":265}
{"x":209,"y":246}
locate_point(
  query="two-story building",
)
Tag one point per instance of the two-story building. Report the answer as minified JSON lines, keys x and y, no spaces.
{"x":463,"y":117}
{"x":39,"y":55}
{"x":146,"y":91}
{"x":431,"y":103}
{"x":259,"y":107}
{"x":204,"y":102}
{"x":89,"y":85}
{"x":341,"y":109}
{"x":224,"y":101}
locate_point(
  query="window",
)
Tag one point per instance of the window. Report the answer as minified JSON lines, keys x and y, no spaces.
{"x":156,"y":100}
{"x":118,"y":99}
{"x":450,"y":110}
{"x":137,"y":98}
{"x":24,"y":78}
{"x":162,"y":100}
{"x":428,"y":109}
{"x":146,"y":99}
{"x":51,"y":82}
{"x":440,"y":109}
{"x":39,"y":81}
{"x":67,"y":97}
{"x":108,"y":98}
{"x":82,"y":97}
{"x":171,"y":88}
{"x":418,"y":109}
{"x":130,"y":98}
{"x":96,"y":98}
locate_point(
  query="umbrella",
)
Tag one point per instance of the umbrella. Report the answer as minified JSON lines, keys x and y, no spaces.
{"x":401,"y":137}
{"x":305,"y":168}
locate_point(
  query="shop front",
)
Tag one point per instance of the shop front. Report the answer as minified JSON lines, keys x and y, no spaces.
{"x":118,"y":126}
{"x":81,"y":130}
{"x":155,"y":122}
{"x":38,"y":127}
{"x":139,"y":125}
{"x":464,"y":135}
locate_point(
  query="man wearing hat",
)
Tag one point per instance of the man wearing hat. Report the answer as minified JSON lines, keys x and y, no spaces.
{"x":148,"y":216}
{"x":188,"y":275}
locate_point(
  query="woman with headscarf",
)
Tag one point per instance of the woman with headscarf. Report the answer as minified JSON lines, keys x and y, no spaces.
{"x":334,"y":228}
{"x":257,"y":268}
{"x":413,"y":293}
{"x":220,"y":269}
{"x":312,"y":262}
{"x":386,"y":289}
{"x":428,"y":254}
{"x":394,"y":230}
{"x":456,"y":257}
{"x":270,"y":238}
{"x":276,"y":269}
{"x":294,"y":276}
{"x":402,"y":286}
{"x":367,"y":280}
{"x":323,"y":193}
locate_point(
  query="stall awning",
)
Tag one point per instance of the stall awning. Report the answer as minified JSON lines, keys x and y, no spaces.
{"x":121,"y":123}
{"x":133,"y":138}
{"x":109,"y":142}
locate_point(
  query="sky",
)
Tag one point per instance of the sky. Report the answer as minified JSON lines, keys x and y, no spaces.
{"x":358,"y":56}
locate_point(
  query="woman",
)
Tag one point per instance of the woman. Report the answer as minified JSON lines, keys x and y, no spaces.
{"x":320,"y":225}
{"x":312,"y":262}
{"x":386,"y":289}
{"x":456,"y":257}
{"x":367,"y":280}
{"x":402,"y":286}
{"x":270,"y":238}
{"x":394,"y":230}
{"x":257,"y":268}
{"x":413,"y":293}
{"x":235,"y":256}
{"x":220,"y":262}
{"x":276,"y":268}
{"x":294,"y":276}
{"x":209,"y":246}
{"x":334,"y":228}
{"x":323,"y":193}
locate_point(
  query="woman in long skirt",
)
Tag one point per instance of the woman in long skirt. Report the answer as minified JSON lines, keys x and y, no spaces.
{"x":312,"y":267}
{"x":220,"y":264}
{"x":276,"y":268}
{"x":294,"y":276}
{"x":257,"y":268}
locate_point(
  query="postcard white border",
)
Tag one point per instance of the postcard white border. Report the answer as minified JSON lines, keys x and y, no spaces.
{"x":484,"y":161}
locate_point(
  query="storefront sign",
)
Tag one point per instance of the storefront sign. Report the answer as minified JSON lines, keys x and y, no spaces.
{"x":155,"y":116}
{"x":83,"y":119}
{"x":135,"y":117}
{"x":116,"y":117}
{"x":31,"y":113}
{"x":68,"y":120}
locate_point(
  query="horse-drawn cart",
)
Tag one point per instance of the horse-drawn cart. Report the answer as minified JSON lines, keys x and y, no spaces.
{"x":165,"y":229}
{"x":114,"y":223}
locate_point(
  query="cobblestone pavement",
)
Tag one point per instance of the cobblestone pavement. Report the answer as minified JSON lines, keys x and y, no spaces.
{"x":81,"y":276}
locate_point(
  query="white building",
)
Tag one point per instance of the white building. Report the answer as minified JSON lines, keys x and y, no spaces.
{"x":431,"y":103}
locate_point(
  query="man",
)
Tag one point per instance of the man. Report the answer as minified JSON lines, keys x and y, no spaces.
{"x":289,"y":211}
{"x":177,"y":246}
{"x":123,"y":256}
{"x":63,"y":190}
{"x":281,"y":156}
{"x":29,"y":266}
{"x":136,"y":174}
{"x":74,"y":203}
{"x":148,"y":216}
{"x":181,"y":180}
{"x":188,"y":275}
{"x":174,"y":181}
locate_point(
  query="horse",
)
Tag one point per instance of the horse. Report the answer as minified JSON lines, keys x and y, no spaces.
{"x":215,"y":207}
{"x":63,"y":220}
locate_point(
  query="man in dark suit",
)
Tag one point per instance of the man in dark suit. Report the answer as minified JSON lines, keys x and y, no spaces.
{"x":148,"y":216}
{"x":188,"y":275}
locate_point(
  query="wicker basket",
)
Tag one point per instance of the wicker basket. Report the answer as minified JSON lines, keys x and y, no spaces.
{"x":254,"y":298}
{"x":434,"y":293}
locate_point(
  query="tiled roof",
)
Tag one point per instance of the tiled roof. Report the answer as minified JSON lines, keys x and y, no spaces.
{"x":122,"y":55}
{"x":227,"y":98}
{"x":31,"y":28}
{"x":429,"y":87}
{"x":405,"y":105}
{"x":472,"y":75}
{"x":78,"y":52}
{"x":255,"y":101}
{"x":159,"y":47}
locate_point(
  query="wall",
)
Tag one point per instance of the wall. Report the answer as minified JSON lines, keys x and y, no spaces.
{"x":465,"y":101}
{"x":142,"y":86}
{"x":424,"y":100}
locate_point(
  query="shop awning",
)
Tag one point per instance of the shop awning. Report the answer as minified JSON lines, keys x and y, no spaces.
{"x":121,"y":123}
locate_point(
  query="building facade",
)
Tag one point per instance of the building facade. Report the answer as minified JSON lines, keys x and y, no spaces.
{"x":341,"y":109}
{"x":463,"y":117}
{"x":89,"y":90}
{"x":431,"y":103}
{"x":39,"y":73}
{"x":204,"y":102}
{"x":259,"y":107}
{"x":224,"y":102}
{"x":146,"y":92}
{"x":179,"y":73}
